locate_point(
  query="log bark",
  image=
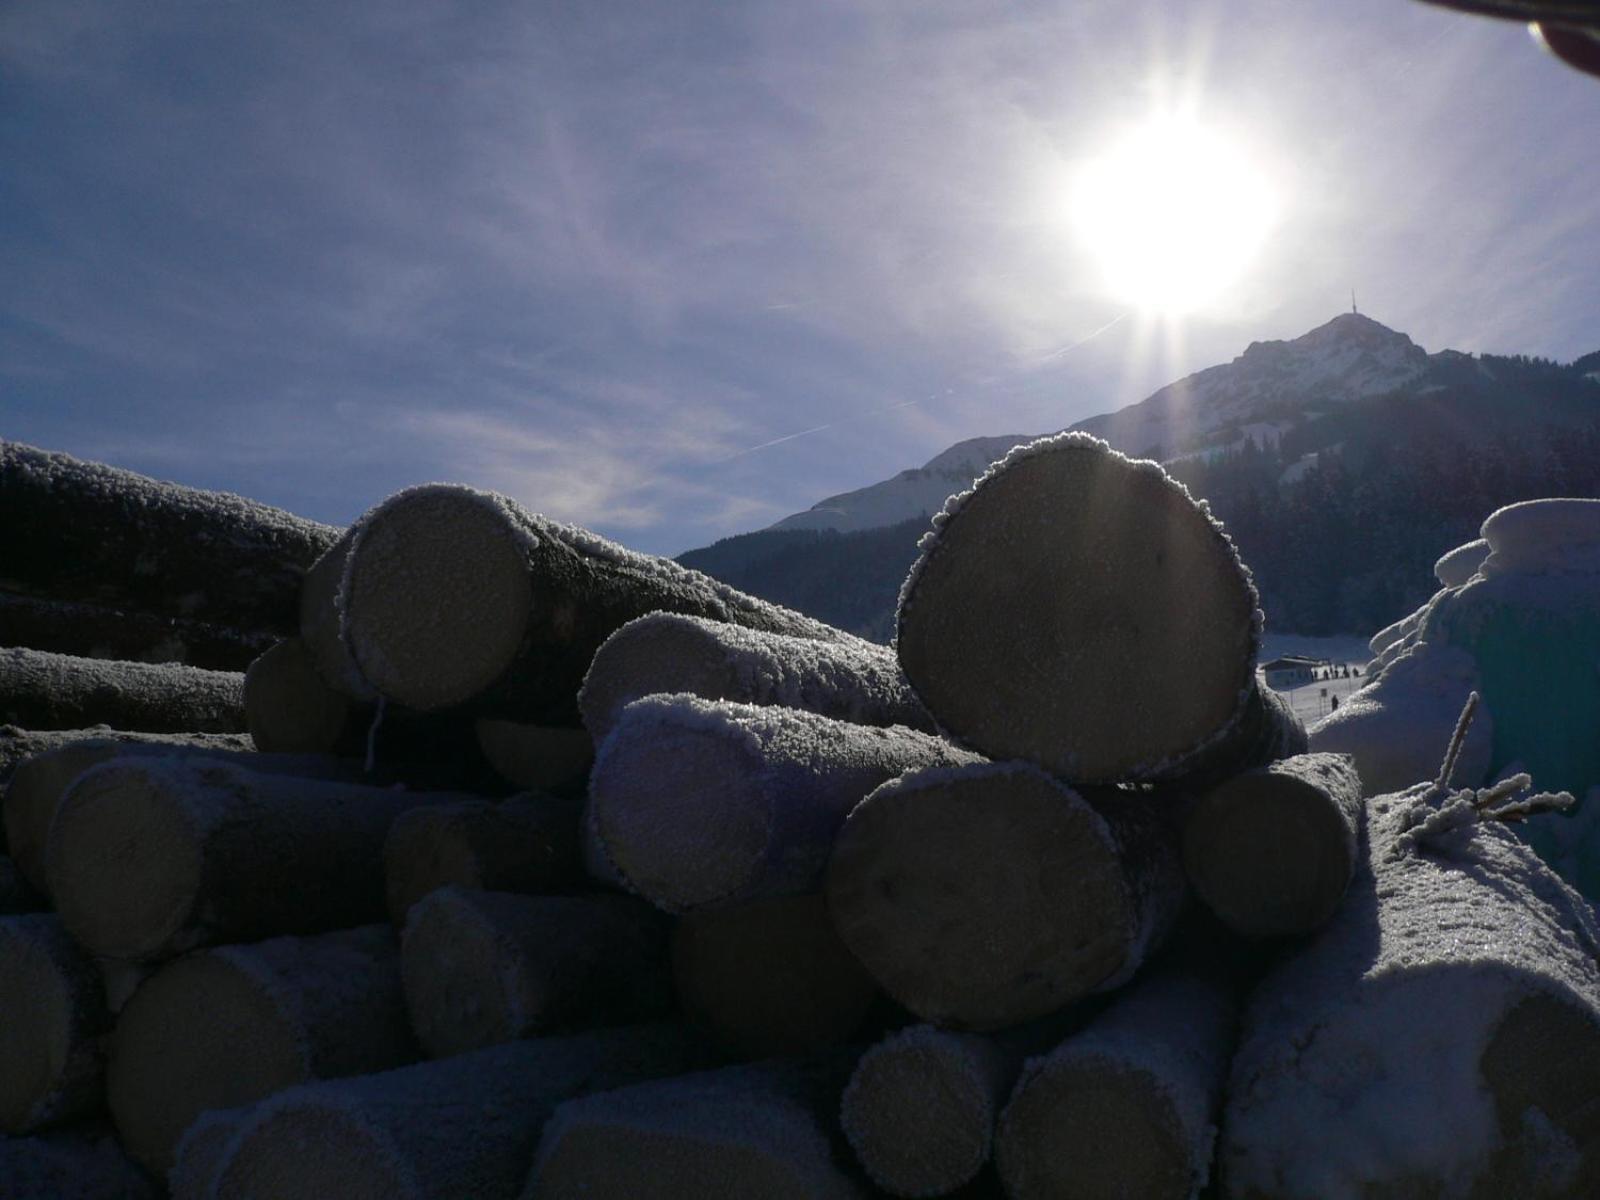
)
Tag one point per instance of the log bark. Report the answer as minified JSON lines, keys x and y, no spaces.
{"x":95,"y":631}
{"x":90,"y":533}
{"x":38,"y":784}
{"x":82,"y":1162}
{"x":849,"y":680}
{"x":54,"y":1015}
{"x":1129,"y":1105}
{"x":526,"y":844}
{"x":1446,"y":1024}
{"x":149,"y":858}
{"x":762,"y":1130}
{"x":1271,"y":852}
{"x":1082,"y":611}
{"x":698,"y":802}
{"x":550,"y":758}
{"x":464,"y":1126}
{"x":40,"y":690}
{"x":992,"y":894}
{"x":231,"y":1025}
{"x":482,"y":968}
{"x":451,"y":595}
{"x":770,"y":977}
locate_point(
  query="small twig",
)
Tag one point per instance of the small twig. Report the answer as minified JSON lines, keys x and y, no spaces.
{"x":1452,"y":754}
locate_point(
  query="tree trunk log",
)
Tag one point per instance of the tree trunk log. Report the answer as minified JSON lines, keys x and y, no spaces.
{"x":526,"y":844}
{"x":452,"y":595}
{"x":849,"y":680}
{"x":289,"y":707}
{"x":1081,"y":611}
{"x":54,"y":1015}
{"x":93,"y":631}
{"x":699,"y":803}
{"x":18,"y":745}
{"x":1128,"y":1106}
{"x":86,"y":532}
{"x":991,"y":894}
{"x":482,"y":968}
{"x":149,"y":858}
{"x":763,"y":1130}
{"x":770,"y":977}
{"x":1271,"y":851}
{"x":1440,"y":1037}
{"x":458,"y":1127}
{"x":549,"y":758}
{"x":202,"y":1150}
{"x":40,"y":690}
{"x":233,"y":1024}
{"x":82,"y":1162}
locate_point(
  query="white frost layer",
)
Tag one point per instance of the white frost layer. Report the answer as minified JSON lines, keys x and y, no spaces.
{"x":1398,"y":727}
{"x":47,"y":690}
{"x":1359,"y":1063}
{"x":1543,"y":535}
{"x":849,"y":679}
{"x":1459,"y":565}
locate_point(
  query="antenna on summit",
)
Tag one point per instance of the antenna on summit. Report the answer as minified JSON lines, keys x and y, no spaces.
{"x":1353,"y":307}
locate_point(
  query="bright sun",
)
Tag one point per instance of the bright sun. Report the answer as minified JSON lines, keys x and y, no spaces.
{"x":1173,"y":214}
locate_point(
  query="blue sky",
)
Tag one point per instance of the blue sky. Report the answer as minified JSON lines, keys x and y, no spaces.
{"x":609,"y":258}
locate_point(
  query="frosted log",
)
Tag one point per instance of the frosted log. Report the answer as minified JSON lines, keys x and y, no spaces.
{"x":226,"y":1026}
{"x":991,"y":894}
{"x":547,"y":757}
{"x":452,"y":595}
{"x":464,"y":1126}
{"x":87,"y":532}
{"x":1461,"y":564}
{"x":202,"y":1150}
{"x":289,"y":707}
{"x":487,"y":967}
{"x":52,"y":1017}
{"x":16,"y":894}
{"x":94,"y":631}
{"x":40,"y":690}
{"x":849,"y":679}
{"x":527,"y":843}
{"x":763,"y":1130}
{"x":1271,"y":851}
{"x":770,"y":977}
{"x":82,"y":1162}
{"x":1445,"y":1024}
{"x":18,"y":745}
{"x":1082,"y":611}
{"x":1129,"y":1105}
{"x":148,"y":858}
{"x":39,"y":783}
{"x":700,"y":802}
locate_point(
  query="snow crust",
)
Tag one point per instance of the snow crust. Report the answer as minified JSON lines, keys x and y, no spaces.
{"x":1560,"y":534}
{"x":1456,"y":567}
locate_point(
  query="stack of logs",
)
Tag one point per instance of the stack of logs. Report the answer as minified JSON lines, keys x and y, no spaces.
{"x":522,"y":865}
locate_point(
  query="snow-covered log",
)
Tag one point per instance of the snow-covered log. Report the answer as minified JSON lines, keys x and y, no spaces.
{"x":552,"y":758}
{"x":52,"y":1016}
{"x":202,"y":1150}
{"x":40,"y":690}
{"x":1271,"y":851}
{"x":1538,"y":536}
{"x":703,"y":802}
{"x":452,"y":595}
{"x":81,"y":1162}
{"x":1080,"y":610}
{"x":91,"y":533}
{"x":1440,"y":1037}
{"x":147,"y":858}
{"x":526,"y":843}
{"x":770,"y":977}
{"x":94,"y":631}
{"x":39,"y":783}
{"x":17,"y":895}
{"x":289,"y":707}
{"x":18,"y":745}
{"x":482,"y":968}
{"x":1129,"y":1105}
{"x":449,"y":1129}
{"x":226,"y":1026}
{"x":990,"y":894}
{"x":1461,"y":564}
{"x":851,"y":680}
{"x":921,"y":1107}
{"x":760,"y":1130}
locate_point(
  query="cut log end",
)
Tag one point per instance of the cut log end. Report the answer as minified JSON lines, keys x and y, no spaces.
{"x":45,"y":1026}
{"x":289,"y":707}
{"x":1082,"y":1130}
{"x":437,"y":597}
{"x":983,"y":900}
{"x":455,"y":967}
{"x":200,"y":1034}
{"x":120,"y":904}
{"x":308,"y":1149}
{"x":547,"y":757}
{"x":654,"y":657}
{"x":1271,"y":856}
{"x":35,"y":792}
{"x":1116,"y":582}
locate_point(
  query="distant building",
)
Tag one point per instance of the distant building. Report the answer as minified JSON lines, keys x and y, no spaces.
{"x":1291,"y":670}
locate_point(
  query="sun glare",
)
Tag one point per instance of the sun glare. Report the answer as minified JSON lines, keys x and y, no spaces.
{"x":1173,"y":214}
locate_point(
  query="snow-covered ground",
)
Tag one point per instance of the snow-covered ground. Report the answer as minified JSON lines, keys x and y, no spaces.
{"x":1314,"y":700}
